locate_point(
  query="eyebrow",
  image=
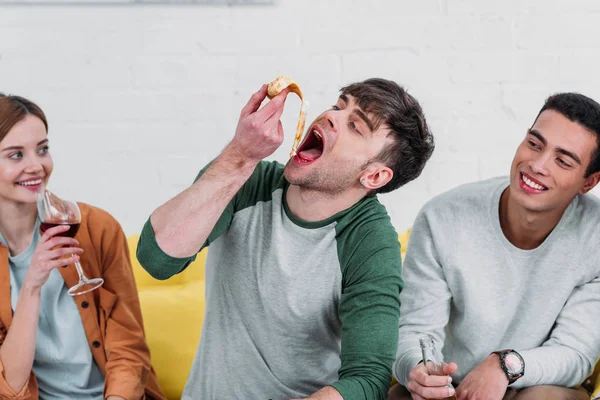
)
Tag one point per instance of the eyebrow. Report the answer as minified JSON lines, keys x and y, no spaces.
{"x":560,"y":150}
{"x":360,"y":114}
{"x":21,"y":147}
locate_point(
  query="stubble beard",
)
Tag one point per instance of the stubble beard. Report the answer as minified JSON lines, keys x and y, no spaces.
{"x":325,"y":181}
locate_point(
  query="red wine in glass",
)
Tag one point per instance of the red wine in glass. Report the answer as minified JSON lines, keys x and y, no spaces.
{"x":73,"y":228}
{"x":54,"y":211}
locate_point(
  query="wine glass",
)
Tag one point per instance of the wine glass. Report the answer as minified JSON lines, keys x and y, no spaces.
{"x":54,"y":211}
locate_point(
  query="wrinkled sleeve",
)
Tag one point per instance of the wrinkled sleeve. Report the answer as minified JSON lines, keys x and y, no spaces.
{"x":369,"y":311}
{"x":596,"y":379}
{"x":26,"y":393}
{"x":259,"y":187}
{"x":128,"y":357}
{"x":571,"y":351}
{"x":425,"y":299}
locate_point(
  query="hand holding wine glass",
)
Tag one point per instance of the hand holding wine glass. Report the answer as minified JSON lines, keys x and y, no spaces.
{"x":56,"y":213}
{"x":49,"y":254}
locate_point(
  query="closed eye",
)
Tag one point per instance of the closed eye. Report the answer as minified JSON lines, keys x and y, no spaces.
{"x":563,"y":162}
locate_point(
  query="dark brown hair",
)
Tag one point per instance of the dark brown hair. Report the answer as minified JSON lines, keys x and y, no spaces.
{"x":387,"y":103}
{"x":13,"y":109}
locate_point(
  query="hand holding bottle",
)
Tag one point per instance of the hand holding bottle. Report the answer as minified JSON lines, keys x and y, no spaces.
{"x":431,"y":378}
{"x":423,"y":386}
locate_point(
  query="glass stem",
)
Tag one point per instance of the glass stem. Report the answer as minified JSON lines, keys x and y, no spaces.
{"x":79,"y":271}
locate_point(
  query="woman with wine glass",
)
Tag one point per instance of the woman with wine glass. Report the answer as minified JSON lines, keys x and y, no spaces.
{"x":54,"y":345}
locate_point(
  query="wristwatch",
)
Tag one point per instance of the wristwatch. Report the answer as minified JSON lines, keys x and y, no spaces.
{"x":512,"y":364}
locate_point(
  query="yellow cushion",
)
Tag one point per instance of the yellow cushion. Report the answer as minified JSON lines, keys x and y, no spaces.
{"x":173,"y":311}
{"x":194,"y":271}
{"x":403,"y":239}
{"x":596,"y":378}
{"x":173,"y":321}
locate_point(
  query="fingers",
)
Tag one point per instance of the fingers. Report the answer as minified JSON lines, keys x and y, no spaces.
{"x":280,"y":131}
{"x":49,"y":259}
{"x":421,"y":377}
{"x":52,"y":253}
{"x":60,"y":262}
{"x":429,"y":392}
{"x":434,"y":380}
{"x":49,"y":233}
{"x":259,"y":133}
{"x":274,"y":108}
{"x":277,"y":104}
{"x":429,"y":386}
{"x":60,"y":241}
{"x":254,"y":102}
{"x":63,"y":251}
{"x":54,"y":260}
{"x":449,"y":369}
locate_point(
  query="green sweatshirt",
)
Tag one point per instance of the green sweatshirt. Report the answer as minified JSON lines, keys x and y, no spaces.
{"x":292,"y":306}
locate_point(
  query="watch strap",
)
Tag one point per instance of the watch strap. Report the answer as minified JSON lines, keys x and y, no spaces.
{"x":512,"y":377}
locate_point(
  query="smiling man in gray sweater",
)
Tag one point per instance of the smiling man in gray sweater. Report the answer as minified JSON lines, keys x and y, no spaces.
{"x":505,"y":273}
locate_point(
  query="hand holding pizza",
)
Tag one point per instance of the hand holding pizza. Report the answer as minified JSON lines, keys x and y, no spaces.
{"x":259,"y":131}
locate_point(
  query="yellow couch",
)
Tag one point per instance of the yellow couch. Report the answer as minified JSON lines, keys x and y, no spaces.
{"x":596,"y":379}
{"x":173,"y":311}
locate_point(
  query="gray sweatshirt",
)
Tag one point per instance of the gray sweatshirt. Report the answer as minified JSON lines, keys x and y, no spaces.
{"x":475,"y":292}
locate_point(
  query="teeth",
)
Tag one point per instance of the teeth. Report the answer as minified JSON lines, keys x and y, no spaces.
{"x":31,"y":183}
{"x":318,"y":135}
{"x":532,"y":184}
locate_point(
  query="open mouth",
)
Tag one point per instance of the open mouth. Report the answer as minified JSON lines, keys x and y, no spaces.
{"x":312,"y":147}
{"x":531,"y":184}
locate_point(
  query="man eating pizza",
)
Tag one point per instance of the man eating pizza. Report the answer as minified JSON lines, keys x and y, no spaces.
{"x":303,"y":271}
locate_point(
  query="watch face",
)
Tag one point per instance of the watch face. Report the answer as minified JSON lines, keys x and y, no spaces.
{"x":513,"y":363}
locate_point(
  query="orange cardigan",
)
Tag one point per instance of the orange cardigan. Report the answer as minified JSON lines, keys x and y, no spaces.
{"x":111,"y":315}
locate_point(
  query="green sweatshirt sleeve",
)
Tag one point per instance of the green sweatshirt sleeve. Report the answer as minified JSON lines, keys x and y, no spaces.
{"x":266,"y":177}
{"x":369,"y":311}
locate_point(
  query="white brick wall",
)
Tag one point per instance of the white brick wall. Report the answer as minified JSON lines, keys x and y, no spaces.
{"x":139,"y":98}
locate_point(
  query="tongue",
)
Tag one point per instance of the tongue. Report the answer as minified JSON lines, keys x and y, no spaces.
{"x":310,"y":154}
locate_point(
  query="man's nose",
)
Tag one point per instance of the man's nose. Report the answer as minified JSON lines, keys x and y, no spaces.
{"x":540,"y":165}
{"x":332,"y":120}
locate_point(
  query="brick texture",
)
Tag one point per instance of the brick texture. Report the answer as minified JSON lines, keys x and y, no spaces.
{"x":139,"y":98}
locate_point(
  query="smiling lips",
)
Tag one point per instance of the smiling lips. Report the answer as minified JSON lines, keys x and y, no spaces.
{"x":31,"y":184}
{"x":311,"y":149}
{"x":530,"y":185}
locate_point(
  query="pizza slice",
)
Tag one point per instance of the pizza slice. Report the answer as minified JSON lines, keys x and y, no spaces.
{"x":274,"y":88}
